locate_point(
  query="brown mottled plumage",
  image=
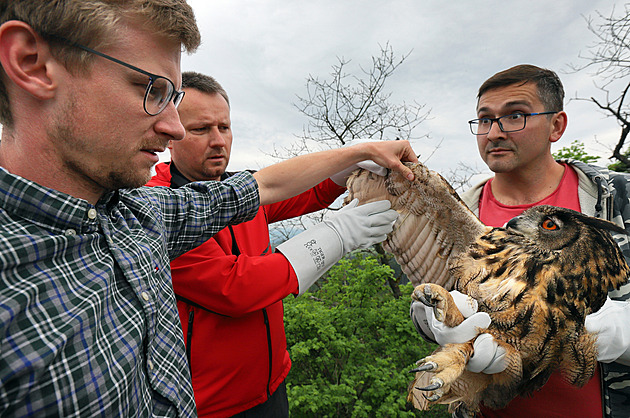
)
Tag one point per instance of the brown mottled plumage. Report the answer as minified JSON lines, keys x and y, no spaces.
{"x":537,"y":278}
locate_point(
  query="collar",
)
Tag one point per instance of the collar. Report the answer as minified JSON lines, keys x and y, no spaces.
{"x":177,"y":178}
{"x":48,"y":208}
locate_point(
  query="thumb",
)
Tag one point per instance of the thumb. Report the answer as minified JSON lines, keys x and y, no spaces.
{"x":478,"y":320}
{"x":372,"y":208}
{"x":466,"y":304}
{"x":461,"y":333}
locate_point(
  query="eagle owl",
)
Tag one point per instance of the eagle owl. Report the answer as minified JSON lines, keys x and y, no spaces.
{"x":537,"y":278}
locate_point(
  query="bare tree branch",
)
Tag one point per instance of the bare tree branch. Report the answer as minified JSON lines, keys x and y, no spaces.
{"x":609,"y":57}
{"x":347,"y":106}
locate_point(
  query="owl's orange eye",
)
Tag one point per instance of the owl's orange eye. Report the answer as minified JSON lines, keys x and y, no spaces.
{"x":549,"y":225}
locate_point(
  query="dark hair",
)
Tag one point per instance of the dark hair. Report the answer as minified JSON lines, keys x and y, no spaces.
{"x":203,"y":83}
{"x":550,"y":90}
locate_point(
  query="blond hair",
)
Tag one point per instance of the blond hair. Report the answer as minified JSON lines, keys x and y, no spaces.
{"x":93,"y":23}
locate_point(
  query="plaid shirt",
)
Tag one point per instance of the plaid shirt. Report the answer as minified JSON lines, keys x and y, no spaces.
{"x":89,"y":325}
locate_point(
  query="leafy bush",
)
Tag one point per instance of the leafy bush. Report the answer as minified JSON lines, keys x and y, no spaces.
{"x":352,"y":344}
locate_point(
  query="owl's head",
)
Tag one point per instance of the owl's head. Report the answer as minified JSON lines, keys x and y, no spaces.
{"x":553,"y":228}
{"x":582,"y":257}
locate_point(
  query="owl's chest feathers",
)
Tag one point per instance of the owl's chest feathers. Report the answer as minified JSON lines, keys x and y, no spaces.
{"x":497,"y":273}
{"x":522,"y":292}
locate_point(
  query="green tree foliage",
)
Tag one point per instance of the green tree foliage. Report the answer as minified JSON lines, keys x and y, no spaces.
{"x":620,"y":165}
{"x":352,"y":344}
{"x":576,"y":152}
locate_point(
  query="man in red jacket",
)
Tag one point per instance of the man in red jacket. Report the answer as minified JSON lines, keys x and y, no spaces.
{"x":230,"y":289}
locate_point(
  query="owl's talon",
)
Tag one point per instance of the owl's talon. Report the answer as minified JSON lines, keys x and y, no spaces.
{"x":424,"y":300}
{"x":439,"y":314}
{"x":431,"y":398}
{"x":430,"y":365}
{"x":437,"y":383}
{"x":431,"y":387}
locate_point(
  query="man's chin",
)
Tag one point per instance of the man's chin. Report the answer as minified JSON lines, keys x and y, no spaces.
{"x":499,"y":164}
{"x":129,"y":180}
{"x":214,"y":173}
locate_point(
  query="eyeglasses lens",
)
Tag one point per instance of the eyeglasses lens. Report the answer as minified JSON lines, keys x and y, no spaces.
{"x":508,"y":123}
{"x":159,"y":92}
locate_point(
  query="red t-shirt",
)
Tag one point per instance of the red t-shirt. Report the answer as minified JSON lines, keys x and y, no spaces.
{"x":557,"y":398}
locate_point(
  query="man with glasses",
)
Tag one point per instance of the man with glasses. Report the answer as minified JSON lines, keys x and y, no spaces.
{"x":88,"y":95}
{"x":519,"y":115}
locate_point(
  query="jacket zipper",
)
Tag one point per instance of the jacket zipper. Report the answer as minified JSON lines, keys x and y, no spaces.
{"x":191,"y":319}
{"x":270,"y":352}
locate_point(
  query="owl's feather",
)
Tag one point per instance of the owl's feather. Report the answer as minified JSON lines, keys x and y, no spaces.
{"x":424,"y":239}
{"x":537,"y":278}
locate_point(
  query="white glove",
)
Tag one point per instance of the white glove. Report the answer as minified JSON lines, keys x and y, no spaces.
{"x":312,"y":252}
{"x":488,"y":356}
{"x":611,"y":325}
{"x":341,"y":177}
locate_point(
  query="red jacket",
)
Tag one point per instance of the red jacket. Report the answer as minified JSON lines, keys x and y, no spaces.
{"x":237,"y":352}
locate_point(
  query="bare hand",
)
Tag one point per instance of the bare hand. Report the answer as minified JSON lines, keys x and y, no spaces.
{"x":390,"y":154}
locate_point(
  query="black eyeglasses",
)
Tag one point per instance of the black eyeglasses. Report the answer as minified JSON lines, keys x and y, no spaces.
{"x":508,"y":123}
{"x":159,"y":92}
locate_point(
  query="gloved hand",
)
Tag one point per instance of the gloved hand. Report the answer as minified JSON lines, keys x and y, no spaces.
{"x":312,"y":252}
{"x":611,"y":325}
{"x":488,"y":356}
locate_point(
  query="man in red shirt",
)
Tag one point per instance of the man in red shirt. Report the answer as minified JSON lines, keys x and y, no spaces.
{"x":519,"y":115}
{"x":230,"y":289}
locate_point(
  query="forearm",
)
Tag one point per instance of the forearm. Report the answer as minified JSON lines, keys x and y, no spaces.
{"x":201,"y":209}
{"x":296,"y":175}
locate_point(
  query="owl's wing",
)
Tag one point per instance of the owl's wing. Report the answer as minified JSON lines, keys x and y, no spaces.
{"x":434,"y":224}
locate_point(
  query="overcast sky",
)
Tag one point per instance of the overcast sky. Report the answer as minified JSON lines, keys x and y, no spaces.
{"x":263,"y":51}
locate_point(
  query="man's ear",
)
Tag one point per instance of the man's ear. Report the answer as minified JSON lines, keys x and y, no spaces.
{"x":558,"y":126}
{"x":26,"y":59}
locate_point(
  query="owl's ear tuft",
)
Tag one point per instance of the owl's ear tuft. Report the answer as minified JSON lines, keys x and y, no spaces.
{"x":602,"y":224}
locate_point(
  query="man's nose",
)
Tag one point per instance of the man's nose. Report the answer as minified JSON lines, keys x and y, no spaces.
{"x":495,"y":131}
{"x":168,"y":123}
{"x":216,"y":138}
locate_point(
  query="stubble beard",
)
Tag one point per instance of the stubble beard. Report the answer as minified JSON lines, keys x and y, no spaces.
{"x":99,"y":177}
{"x":215,"y":171}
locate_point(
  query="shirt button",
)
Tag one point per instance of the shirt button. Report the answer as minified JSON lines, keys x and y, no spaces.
{"x":145,"y":296}
{"x":150,"y":364}
{"x":92,"y":213}
{"x":70,"y":232}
